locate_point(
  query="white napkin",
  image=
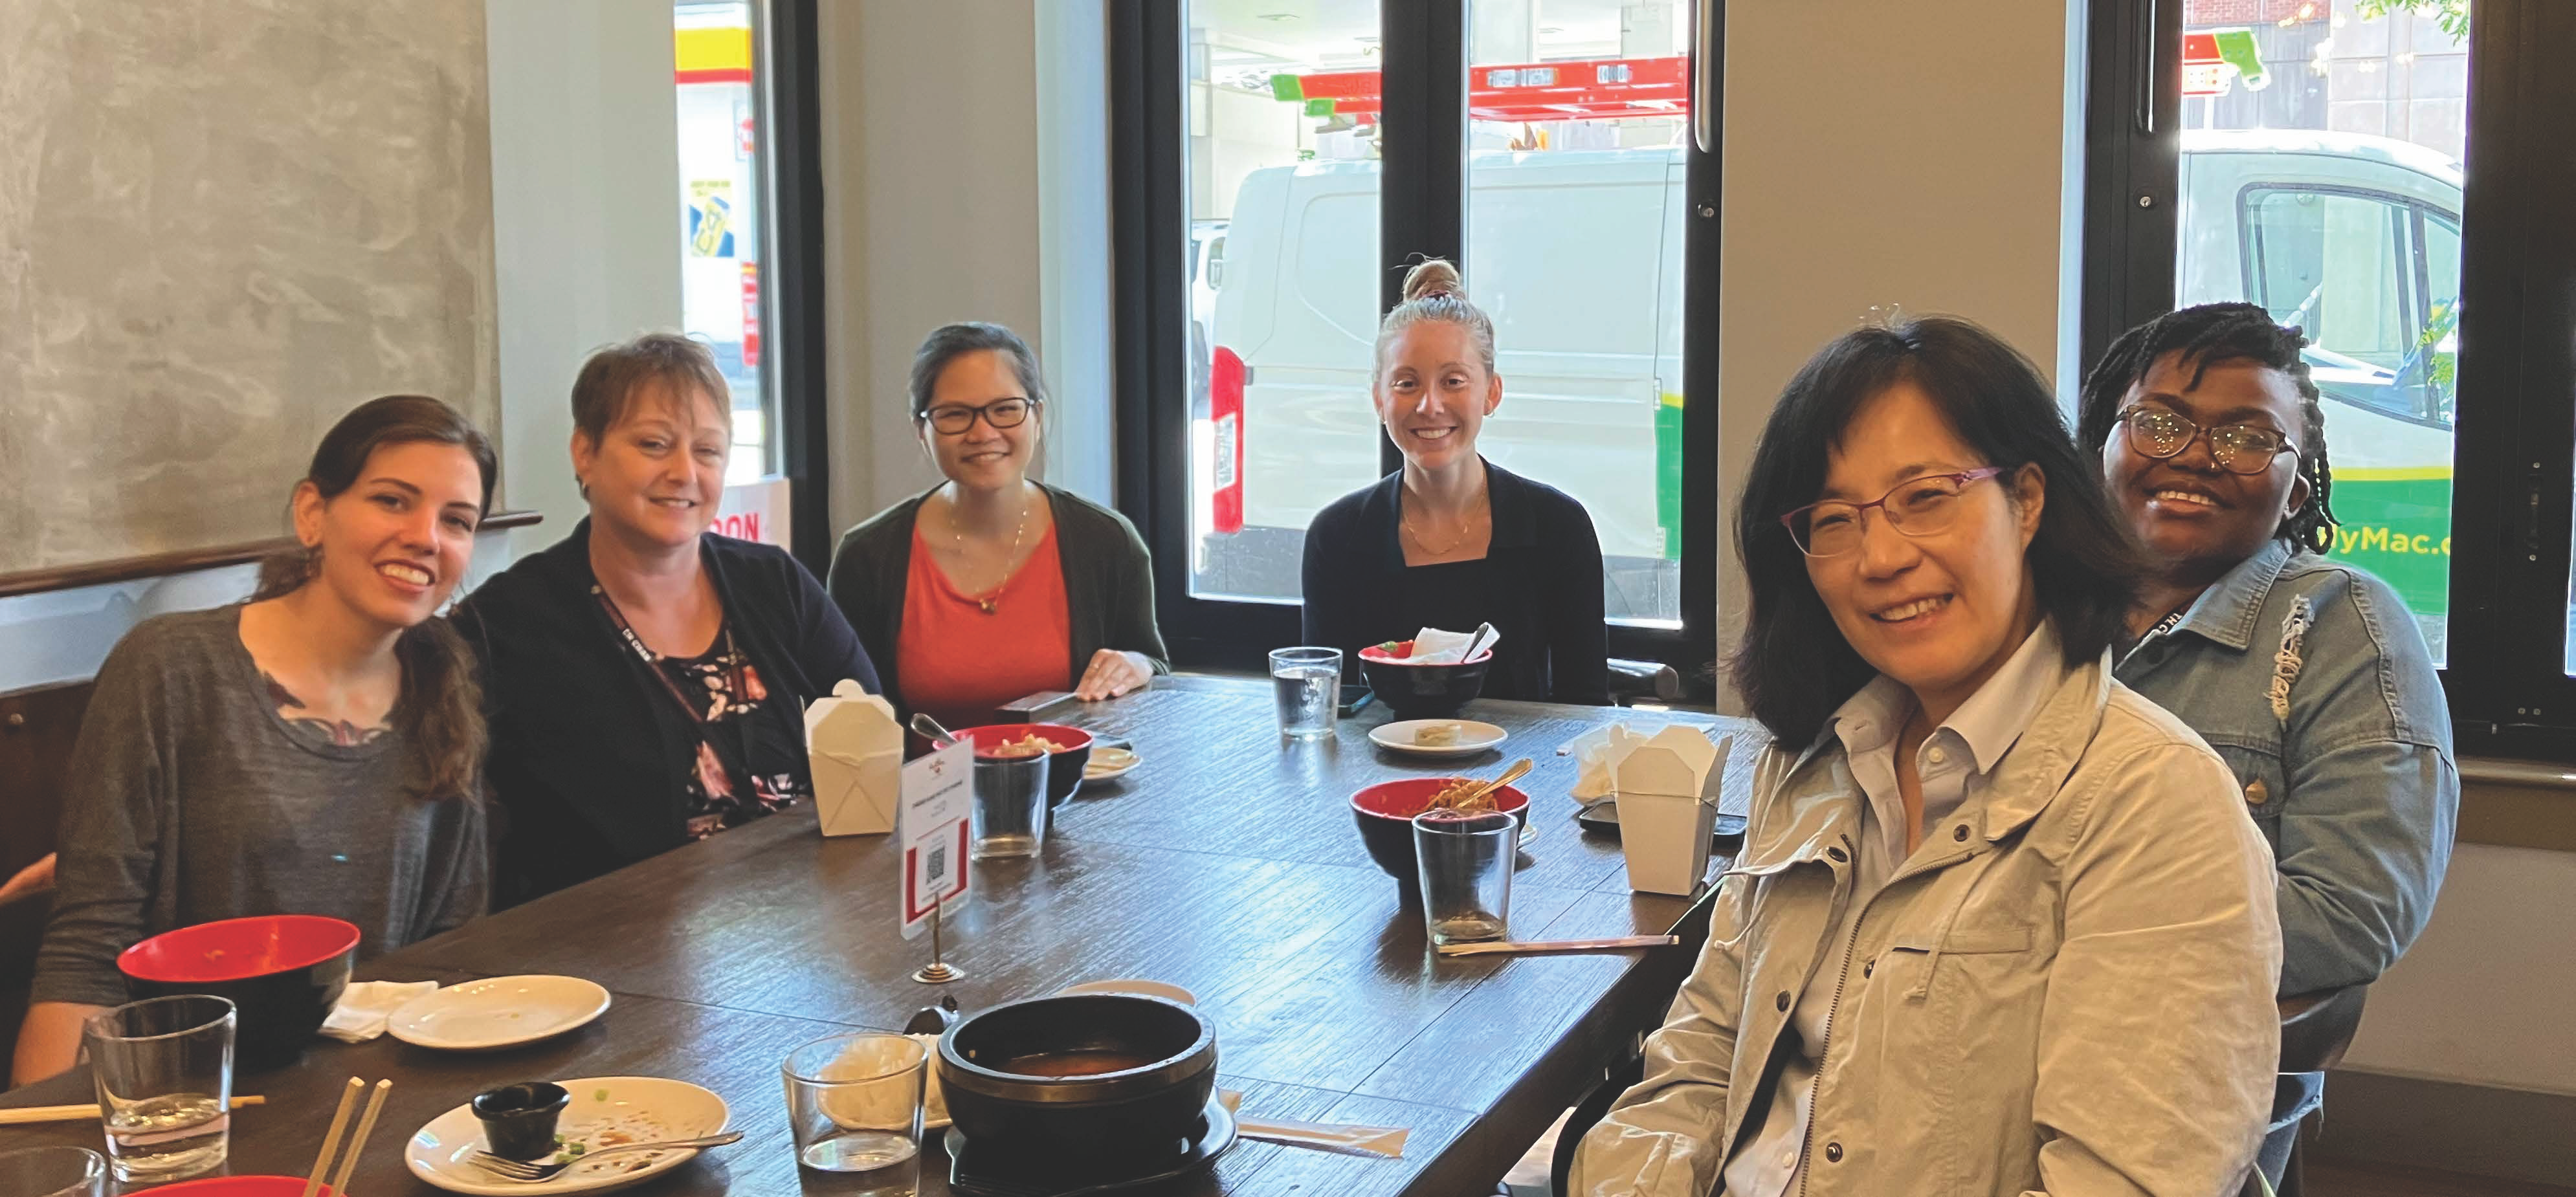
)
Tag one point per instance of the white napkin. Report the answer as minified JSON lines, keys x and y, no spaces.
{"x":1387,"y":1141}
{"x":1431,"y":646}
{"x":1596,"y":753}
{"x":365,"y":1005}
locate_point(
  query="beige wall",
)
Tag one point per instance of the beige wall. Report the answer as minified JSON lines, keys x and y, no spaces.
{"x":2484,"y":997}
{"x":1882,"y":153}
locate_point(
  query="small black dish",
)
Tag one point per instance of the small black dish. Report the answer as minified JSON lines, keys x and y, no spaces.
{"x":1602,"y":818}
{"x":1023,"y":1173}
{"x":519,"y":1120}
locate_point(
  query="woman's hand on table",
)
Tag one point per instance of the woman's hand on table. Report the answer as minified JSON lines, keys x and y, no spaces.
{"x":1112,"y":673}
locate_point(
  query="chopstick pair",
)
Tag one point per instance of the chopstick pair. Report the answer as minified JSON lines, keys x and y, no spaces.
{"x":27,"y":1114}
{"x":357,"y":1142}
{"x":1501,"y":946}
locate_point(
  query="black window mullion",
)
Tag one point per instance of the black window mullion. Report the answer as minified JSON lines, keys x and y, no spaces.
{"x":1422,"y":182}
{"x":2132,"y":168}
{"x":790,"y":95}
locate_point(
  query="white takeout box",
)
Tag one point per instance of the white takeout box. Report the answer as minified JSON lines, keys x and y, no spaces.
{"x":855,"y":746}
{"x":1667,"y":789}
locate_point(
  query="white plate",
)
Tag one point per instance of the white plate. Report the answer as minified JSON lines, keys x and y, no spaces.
{"x":1102,"y":770}
{"x":1473,"y":737}
{"x":641,"y":1109}
{"x":497,"y":1012}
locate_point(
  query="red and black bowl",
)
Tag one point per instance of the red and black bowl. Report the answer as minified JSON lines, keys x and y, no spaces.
{"x":1064,"y":765}
{"x":283,"y":972}
{"x":1385,"y":814}
{"x":1147,"y":1066}
{"x":1412,"y":690}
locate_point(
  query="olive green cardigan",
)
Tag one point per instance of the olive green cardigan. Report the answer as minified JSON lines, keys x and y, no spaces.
{"x":1108,"y":584}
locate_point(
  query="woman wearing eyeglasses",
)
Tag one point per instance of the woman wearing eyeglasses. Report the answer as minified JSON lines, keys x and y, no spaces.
{"x":1998,"y":925}
{"x":993,"y":586}
{"x":2308,"y":675}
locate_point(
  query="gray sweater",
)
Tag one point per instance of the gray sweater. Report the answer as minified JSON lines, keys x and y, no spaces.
{"x":190,"y":800}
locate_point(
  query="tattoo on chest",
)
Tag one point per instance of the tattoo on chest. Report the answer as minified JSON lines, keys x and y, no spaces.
{"x":342,"y":732}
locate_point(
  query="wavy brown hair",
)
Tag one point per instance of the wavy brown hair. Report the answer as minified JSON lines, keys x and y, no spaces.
{"x":439,"y":711}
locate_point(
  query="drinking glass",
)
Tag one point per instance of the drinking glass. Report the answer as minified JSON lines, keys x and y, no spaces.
{"x":1466,"y":867}
{"x":854,"y":1103}
{"x":1309,"y":686}
{"x":1010,"y":812}
{"x":52,"y":1172}
{"x":164,"y":1069}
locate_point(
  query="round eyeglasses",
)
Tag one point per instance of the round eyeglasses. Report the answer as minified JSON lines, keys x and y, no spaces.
{"x":954,"y":420}
{"x":1915,"y":507}
{"x":2162,"y":434}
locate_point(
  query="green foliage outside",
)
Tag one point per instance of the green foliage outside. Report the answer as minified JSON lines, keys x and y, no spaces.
{"x":2451,"y":15}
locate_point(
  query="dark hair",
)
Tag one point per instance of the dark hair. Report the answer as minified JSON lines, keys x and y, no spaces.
{"x":2206,"y":336}
{"x":440,"y":709}
{"x":1433,"y":291}
{"x":948,"y":342}
{"x":605,"y":388}
{"x":1793,"y":665}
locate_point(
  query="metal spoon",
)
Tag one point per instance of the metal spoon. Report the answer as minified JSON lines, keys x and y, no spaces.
{"x":928,"y":728}
{"x":1520,"y":769}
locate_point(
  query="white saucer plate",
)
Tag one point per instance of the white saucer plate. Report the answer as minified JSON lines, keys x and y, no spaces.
{"x":1107,"y":763}
{"x":497,"y":1012}
{"x":605,"y":1111}
{"x":1473,"y":737}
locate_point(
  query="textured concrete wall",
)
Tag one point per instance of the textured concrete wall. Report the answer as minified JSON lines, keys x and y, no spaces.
{"x":222,"y":224}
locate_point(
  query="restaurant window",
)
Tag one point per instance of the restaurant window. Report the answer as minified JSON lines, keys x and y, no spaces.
{"x":2314,"y":157}
{"x":1272,"y":194}
{"x":723,"y":201}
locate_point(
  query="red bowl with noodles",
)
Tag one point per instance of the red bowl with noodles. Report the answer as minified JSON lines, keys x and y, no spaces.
{"x":283,"y":972}
{"x":1067,"y":749}
{"x":1385,"y":814}
{"x":1412,"y":690}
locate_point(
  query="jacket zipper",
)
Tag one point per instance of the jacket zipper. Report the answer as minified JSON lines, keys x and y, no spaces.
{"x":1833,"y":1014}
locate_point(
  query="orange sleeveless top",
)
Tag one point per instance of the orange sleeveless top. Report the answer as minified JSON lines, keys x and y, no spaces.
{"x":960,"y":662}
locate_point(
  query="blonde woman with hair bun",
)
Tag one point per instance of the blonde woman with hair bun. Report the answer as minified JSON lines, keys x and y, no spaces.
{"x":1452,"y":540}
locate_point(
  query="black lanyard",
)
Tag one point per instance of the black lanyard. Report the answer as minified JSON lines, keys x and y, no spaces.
{"x":733,"y":666}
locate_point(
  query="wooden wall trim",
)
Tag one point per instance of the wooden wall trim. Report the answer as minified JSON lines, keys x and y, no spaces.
{"x":157,"y":565}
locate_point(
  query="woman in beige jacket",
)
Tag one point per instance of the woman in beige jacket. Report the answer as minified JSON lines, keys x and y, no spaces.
{"x":2000,"y":925}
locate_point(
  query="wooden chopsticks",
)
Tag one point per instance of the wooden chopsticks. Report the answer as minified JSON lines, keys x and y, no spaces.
{"x":357,"y":1142}
{"x":27,"y":1114}
{"x":1501,"y":946}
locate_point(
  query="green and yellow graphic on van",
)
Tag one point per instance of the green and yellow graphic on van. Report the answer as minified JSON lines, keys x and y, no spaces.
{"x":2396,"y":523}
{"x":1668,"y":473}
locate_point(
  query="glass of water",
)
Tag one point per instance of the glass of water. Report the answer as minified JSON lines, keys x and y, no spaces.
{"x":1309,"y":682}
{"x":52,"y":1172}
{"x":164,"y":1069}
{"x":1466,"y":867}
{"x":854,"y":1103}
{"x":1010,"y":808}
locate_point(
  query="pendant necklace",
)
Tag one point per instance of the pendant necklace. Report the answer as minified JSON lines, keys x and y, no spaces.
{"x":992,"y":600}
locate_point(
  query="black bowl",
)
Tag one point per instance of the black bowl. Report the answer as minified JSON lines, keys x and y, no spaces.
{"x":1093,"y":1117}
{"x":1385,"y":813}
{"x":1064,"y":765}
{"x":1423,"y":691}
{"x":284,"y":972}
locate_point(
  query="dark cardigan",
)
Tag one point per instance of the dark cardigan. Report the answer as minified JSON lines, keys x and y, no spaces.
{"x":1108,"y":584}
{"x":590,"y":759}
{"x":1542,"y":591}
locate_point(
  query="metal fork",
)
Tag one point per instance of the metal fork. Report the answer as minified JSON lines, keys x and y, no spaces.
{"x":532,"y":1173}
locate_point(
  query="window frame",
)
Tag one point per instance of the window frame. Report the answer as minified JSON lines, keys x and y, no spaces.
{"x":2511,"y":510}
{"x":789,"y":106}
{"x":1425,"y":134}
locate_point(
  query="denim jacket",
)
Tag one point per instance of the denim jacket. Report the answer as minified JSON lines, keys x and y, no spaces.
{"x":2311,"y":680}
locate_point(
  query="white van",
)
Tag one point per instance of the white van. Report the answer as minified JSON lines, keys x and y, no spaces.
{"x":2355,"y":239}
{"x":1576,"y":256}
{"x":1567,"y":251}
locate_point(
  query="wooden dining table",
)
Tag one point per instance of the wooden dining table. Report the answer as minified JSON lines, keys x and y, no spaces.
{"x":1226,"y":862}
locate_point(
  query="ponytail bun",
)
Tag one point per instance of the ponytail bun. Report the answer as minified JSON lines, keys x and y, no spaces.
{"x":1434,"y":276}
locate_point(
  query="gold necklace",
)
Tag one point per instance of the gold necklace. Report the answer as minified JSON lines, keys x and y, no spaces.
{"x":992,"y":600}
{"x":1466,"y":529}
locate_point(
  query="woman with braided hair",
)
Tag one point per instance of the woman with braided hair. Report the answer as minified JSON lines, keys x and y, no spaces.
{"x":2307,"y":674}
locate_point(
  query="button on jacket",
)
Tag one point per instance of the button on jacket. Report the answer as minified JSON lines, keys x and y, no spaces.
{"x":2068,"y":990}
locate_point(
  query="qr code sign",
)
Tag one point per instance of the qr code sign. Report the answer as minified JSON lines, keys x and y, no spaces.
{"x":937,"y":866}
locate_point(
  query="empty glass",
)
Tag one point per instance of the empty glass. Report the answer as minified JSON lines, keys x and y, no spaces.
{"x":164,"y":1069}
{"x":1010,"y":814}
{"x":1466,"y":867}
{"x":52,"y":1172}
{"x":1309,"y":682}
{"x":854,"y":1104}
